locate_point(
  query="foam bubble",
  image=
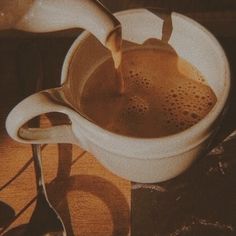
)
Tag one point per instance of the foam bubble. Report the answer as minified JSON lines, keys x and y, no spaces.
{"x":137,"y":105}
{"x":138,"y":79}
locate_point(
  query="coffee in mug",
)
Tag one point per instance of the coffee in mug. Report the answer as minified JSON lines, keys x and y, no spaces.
{"x":163,"y":94}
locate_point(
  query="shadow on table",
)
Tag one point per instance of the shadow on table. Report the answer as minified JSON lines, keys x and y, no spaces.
{"x":63,"y":184}
{"x":100,"y":188}
{"x":7,"y":213}
{"x":17,"y":231}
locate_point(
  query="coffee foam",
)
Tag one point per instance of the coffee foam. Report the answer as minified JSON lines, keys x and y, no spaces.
{"x":185,"y":107}
{"x":134,"y":111}
{"x":137,"y":79}
{"x":164,"y":95}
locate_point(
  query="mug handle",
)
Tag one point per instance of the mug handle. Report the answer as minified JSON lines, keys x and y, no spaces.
{"x":32,"y":106}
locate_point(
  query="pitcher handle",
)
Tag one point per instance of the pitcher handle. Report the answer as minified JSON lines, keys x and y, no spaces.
{"x":32,"y":106}
{"x":53,"y":15}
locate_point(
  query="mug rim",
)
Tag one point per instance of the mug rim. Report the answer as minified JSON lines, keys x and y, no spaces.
{"x":187,"y":133}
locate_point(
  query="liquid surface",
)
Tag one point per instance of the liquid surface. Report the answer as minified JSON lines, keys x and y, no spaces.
{"x":164,"y":94}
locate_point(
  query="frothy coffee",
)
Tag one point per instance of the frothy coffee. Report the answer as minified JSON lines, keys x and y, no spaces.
{"x":164,"y":94}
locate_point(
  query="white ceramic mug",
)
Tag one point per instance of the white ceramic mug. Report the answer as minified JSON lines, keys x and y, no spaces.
{"x":136,"y":159}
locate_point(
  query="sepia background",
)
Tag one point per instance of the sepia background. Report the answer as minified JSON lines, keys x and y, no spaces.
{"x":90,"y":199}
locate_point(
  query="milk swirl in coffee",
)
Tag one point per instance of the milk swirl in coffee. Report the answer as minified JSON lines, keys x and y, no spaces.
{"x":164,"y":94}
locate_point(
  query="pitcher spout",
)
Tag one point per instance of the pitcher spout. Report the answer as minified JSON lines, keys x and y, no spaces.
{"x":54,"y":15}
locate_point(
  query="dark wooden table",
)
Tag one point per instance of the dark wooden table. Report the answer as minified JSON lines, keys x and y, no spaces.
{"x":90,"y":199}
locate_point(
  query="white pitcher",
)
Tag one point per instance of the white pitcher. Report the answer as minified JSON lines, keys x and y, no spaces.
{"x":53,"y":15}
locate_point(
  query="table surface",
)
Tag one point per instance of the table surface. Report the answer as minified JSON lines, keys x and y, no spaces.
{"x":90,"y":199}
